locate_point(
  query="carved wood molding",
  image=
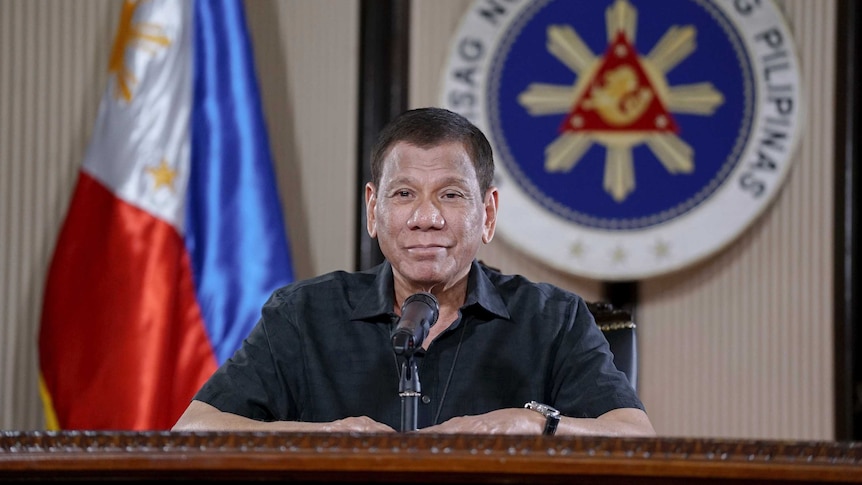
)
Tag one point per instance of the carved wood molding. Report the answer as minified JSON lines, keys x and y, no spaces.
{"x":354,"y":458}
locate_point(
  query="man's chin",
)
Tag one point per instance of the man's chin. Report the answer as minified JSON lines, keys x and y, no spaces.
{"x":428,"y":273}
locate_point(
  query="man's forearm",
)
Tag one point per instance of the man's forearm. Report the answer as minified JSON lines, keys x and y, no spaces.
{"x":200,"y":416}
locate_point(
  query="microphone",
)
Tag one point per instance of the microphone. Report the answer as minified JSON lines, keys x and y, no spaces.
{"x":418,"y":314}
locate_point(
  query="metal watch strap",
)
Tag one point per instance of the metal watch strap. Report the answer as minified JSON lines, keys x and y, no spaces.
{"x":552,"y":416}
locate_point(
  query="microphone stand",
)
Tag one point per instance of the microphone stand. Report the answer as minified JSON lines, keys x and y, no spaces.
{"x":409,"y":389}
{"x":418,"y":313}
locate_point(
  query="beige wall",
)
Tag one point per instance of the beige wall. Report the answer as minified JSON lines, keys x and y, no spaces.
{"x":739,"y":345}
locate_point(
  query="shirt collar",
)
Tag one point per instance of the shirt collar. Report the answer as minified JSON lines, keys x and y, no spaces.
{"x":483,"y":293}
{"x":379,"y":301}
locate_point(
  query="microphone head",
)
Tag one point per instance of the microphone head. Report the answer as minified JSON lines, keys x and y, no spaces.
{"x":418,"y":313}
{"x":426,"y":298}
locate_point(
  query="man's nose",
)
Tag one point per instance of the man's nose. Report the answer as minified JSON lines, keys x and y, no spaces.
{"x":426,"y":215}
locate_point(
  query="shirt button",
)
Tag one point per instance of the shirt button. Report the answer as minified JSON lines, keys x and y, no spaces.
{"x":426,"y":399}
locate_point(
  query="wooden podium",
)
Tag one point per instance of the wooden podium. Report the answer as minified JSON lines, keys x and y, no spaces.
{"x":419,"y":458}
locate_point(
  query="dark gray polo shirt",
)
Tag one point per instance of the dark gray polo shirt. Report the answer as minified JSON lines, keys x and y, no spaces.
{"x":322,"y":351}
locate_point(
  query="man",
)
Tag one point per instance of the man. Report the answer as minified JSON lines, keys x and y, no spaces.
{"x":321,"y":358}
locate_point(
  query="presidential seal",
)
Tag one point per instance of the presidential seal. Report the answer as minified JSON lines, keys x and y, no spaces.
{"x":632,"y":137}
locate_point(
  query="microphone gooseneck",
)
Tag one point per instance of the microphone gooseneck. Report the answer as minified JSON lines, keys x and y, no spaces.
{"x":418,"y":313}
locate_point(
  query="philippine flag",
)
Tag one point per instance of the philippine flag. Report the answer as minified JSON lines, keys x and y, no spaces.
{"x":174,"y":237}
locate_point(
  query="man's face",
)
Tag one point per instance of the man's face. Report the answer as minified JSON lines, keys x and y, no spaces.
{"x":428,"y":214}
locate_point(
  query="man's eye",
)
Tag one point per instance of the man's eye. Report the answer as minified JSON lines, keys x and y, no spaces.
{"x":451,"y":195}
{"x":402,"y":193}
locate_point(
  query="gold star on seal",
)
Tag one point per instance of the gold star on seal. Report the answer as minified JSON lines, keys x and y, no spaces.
{"x":163,"y":175}
{"x":619,"y":255}
{"x":577,"y":249}
{"x":662,"y":249}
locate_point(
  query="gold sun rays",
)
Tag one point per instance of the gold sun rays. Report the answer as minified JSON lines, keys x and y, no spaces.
{"x":132,"y":34}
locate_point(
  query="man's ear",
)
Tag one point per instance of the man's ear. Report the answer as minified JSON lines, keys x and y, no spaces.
{"x":491,"y":204}
{"x":370,"y":207}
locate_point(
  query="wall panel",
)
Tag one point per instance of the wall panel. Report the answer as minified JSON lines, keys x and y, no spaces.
{"x":52,"y":59}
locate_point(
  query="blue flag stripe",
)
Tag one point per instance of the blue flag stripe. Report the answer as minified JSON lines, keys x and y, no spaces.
{"x":234,"y":228}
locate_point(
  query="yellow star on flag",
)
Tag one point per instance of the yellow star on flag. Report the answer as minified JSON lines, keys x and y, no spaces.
{"x":163,"y":175}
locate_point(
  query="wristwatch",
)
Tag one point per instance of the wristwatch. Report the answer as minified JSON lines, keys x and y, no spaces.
{"x":552,"y":416}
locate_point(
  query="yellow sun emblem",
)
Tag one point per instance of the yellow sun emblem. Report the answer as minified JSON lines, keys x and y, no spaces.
{"x":620,"y":100}
{"x":131,"y":34}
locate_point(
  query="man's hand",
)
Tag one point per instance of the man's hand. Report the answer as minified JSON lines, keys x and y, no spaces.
{"x":200,"y":416}
{"x":501,"y":421}
{"x":617,"y":422}
{"x":361,"y":424}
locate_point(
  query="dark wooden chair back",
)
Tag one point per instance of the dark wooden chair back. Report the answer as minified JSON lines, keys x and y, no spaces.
{"x":621,"y":332}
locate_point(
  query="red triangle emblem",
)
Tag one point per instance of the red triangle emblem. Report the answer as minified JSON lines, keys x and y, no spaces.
{"x":619,"y":97}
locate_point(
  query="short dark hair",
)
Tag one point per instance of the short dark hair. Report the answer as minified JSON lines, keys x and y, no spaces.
{"x":428,"y":127}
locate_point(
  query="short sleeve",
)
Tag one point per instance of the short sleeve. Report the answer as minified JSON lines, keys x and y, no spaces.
{"x":587,"y":383}
{"x":248,"y":383}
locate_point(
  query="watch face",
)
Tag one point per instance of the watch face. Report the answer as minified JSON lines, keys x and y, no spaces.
{"x":542,"y":408}
{"x":549,"y":411}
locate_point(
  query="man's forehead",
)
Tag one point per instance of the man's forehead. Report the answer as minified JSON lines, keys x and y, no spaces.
{"x":405,"y":154}
{"x":410,"y":162}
